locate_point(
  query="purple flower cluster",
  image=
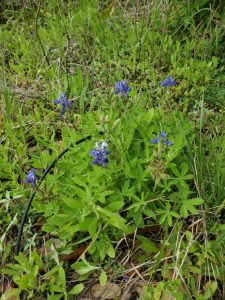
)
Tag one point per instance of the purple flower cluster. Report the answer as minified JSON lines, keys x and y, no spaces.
{"x":169,"y":81}
{"x":122,"y":87}
{"x":31,"y":177}
{"x":99,"y":153}
{"x":164,"y":137}
{"x":63,"y":100}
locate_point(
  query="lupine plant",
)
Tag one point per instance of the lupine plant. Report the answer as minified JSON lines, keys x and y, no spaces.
{"x":31,"y":177}
{"x":65,"y":103}
{"x":100,"y":154}
{"x":131,"y":199}
{"x":122,"y":87}
{"x":169,"y":81}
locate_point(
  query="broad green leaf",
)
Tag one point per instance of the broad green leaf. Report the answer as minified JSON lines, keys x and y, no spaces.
{"x":77,"y":289}
{"x":113,"y":218}
{"x":210,"y":288}
{"x":103,"y":278}
{"x":118,"y":222}
{"x":54,"y":297}
{"x":76,"y":204}
{"x":93,"y":228}
{"x":111,"y":251}
{"x":83,"y":268}
{"x":149,"y":213}
{"x":115,"y":206}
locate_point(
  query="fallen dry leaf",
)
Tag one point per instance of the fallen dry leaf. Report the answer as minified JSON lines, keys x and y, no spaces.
{"x":47,"y":250}
{"x":74,"y":255}
{"x":110,"y":291}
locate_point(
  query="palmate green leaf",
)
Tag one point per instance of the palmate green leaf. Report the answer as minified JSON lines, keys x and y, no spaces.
{"x":10,"y":271}
{"x":175,"y":170}
{"x":189,"y":206}
{"x":136,"y":206}
{"x":184,"y":169}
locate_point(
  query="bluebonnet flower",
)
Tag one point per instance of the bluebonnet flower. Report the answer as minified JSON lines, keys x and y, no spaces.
{"x":163,"y":134}
{"x":100,"y":153}
{"x":164,"y":137}
{"x":63,"y":100}
{"x":167,"y":142}
{"x":156,"y":140}
{"x":169,"y":81}
{"x":31,"y":177}
{"x":122,"y":87}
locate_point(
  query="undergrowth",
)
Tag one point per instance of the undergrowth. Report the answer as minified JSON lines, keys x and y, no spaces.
{"x":138,"y":209}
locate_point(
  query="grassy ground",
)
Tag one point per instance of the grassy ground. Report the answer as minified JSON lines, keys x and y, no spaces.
{"x":149,"y":225}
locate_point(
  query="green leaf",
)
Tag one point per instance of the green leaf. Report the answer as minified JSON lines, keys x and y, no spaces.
{"x":147,"y":245}
{"x":158,"y":290}
{"x":195,"y":270}
{"x":101,"y":196}
{"x":103,"y":278}
{"x":149,"y":213}
{"x":77,"y":289}
{"x":76,"y":204}
{"x":54,"y":297}
{"x":83,"y":267}
{"x":82,"y":194}
{"x":184,"y":169}
{"x":195,"y":201}
{"x":210,"y":288}
{"x":175,"y":170}
{"x":115,"y":206}
{"x":93,"y":228}
{"x":118,"y":222}
{"x":113,"y":218}
{"x":111,"y":251}
{"x":79,"y":181}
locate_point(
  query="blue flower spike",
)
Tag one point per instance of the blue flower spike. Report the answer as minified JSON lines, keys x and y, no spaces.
{"x":167,"y":142}
{"x":122,"y":87}
{"x":63,"y":100}
{"x":164,"y":137}
{"x":156,"y":140}
{"x":163,"y":134}
{"x":31,"y":177}
{"x":99,"y":153}
{"x":169,"y":81}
